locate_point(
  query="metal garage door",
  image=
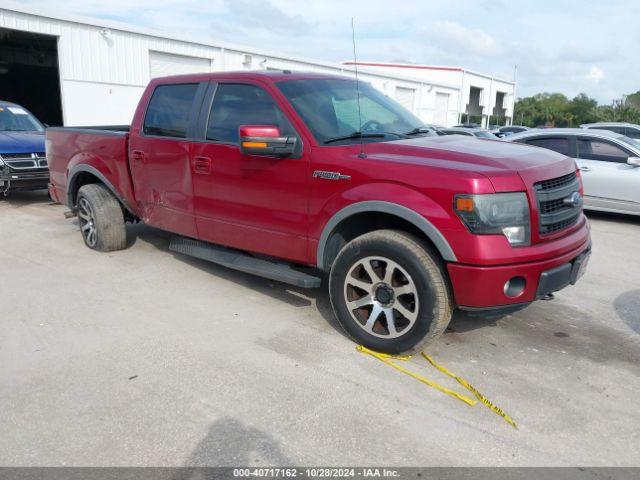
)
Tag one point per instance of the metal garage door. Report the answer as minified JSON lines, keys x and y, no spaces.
{"x":406,"y":97}
{"x":442,"y":108}
{"x":165,"y":64}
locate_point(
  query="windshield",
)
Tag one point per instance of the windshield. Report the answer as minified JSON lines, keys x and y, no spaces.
{"x":329,"y":107}
{"x":17,"y":119}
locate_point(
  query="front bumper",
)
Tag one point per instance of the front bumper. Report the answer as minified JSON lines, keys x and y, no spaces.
{"x":23,"y":180}
{"x":485,"y":288}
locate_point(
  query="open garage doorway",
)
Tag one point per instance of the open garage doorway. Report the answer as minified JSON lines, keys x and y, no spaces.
{"x":29,"y":73}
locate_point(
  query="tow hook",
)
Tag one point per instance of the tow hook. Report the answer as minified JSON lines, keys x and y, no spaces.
{"x":547,"y":297}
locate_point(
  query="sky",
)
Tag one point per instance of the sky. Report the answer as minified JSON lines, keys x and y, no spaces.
{"x":558,"y":45}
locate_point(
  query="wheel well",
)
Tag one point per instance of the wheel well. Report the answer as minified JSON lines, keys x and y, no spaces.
{"x":80,"y":180}
{"x":86,"y":178}
{"x":361,"y":223}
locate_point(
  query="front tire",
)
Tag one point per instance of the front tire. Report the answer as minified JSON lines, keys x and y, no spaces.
{"x":101,"y":219}
{"x":389,"y":292}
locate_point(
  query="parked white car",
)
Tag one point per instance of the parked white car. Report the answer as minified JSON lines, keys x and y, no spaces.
{"x":609,"y":163}
{"x":630,"y":130}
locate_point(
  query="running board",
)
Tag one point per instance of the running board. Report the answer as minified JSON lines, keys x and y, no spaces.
{"x":282,"y":272}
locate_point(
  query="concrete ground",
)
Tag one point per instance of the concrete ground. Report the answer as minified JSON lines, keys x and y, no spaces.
{"x":143,"y":357}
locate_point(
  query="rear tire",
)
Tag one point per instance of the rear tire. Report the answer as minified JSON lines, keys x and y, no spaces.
{"x":101,"y":219}
{"x":394,"y":277}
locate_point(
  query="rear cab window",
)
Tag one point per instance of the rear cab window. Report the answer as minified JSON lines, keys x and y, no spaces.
{"x":169,"y":110}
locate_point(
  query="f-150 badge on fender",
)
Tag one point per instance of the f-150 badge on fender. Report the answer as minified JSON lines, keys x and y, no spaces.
{"x":330,"y":175}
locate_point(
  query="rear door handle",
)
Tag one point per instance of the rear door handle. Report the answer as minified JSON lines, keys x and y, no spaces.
{"x":202,"y":165}
{"x":137,"y":156}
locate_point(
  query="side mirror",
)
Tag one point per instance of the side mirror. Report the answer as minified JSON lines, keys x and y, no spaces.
{"x":634,"y":161}
{"x":265,"y":140}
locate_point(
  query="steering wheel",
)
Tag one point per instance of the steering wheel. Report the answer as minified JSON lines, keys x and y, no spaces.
{"x":372,"y":126}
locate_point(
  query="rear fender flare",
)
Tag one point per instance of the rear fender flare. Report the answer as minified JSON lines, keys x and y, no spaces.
{"x":80,"y":168}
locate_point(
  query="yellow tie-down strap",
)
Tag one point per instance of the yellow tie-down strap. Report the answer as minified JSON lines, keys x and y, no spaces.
{"x":386,"y":358}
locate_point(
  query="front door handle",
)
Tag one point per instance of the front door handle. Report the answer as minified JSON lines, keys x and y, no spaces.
{"x":585,"y":169}
{"x":137,"y":156}
{"x":202,"y":165}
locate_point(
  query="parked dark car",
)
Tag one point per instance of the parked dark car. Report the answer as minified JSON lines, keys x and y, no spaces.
{"x":23,"y":163}
{"x":507,"y":130}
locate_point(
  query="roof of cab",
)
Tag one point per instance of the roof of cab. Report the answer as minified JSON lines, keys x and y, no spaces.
{"x":271,"y":75}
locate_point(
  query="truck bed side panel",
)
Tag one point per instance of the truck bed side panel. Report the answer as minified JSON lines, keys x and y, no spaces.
{"x":102,"y":153}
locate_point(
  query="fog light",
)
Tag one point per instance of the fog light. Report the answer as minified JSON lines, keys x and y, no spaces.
{"x":515,"y":235}
{"x":514,"y":287}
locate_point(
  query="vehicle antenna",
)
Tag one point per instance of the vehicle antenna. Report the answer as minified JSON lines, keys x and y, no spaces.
{"x":355,"y":64}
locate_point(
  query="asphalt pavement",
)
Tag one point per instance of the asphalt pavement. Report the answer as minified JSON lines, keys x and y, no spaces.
{"x":145,"y":357}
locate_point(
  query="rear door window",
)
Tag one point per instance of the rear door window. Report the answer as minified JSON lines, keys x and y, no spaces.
{"x":557,"y":144}
{"x":591,"y":149}
{"x":169,"y":110}
{"x":243,"y":104}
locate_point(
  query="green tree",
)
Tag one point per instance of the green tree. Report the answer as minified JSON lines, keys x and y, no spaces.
{"x":582,"y":110}
{"x":633,"y":99}
{"x":619,"y":111}
{"x":555,"y":109}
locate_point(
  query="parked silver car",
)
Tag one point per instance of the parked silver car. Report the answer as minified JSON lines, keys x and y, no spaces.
{"x":630,"y":130}
{"x":609,"y":163}
{"x":468,"y":131}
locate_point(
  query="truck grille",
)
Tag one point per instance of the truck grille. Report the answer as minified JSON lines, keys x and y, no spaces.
{"x":24,"y":161}
{"x":557,"y":182}
{"x":556,"y":213}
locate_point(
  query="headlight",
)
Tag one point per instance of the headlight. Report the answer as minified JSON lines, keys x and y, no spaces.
{"x":1,"y":162}
{"x":498,"y":213}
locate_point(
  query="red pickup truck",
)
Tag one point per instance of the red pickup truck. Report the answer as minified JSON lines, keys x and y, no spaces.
{"x":297,"y":176}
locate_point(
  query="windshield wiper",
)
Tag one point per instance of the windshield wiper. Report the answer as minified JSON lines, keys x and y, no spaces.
{"x":354,"y":135}
{"x":362,"y":135}
{"x":418,"y":130}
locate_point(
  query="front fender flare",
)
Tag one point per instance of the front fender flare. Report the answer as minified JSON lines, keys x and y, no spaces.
{"x":430,"y":231}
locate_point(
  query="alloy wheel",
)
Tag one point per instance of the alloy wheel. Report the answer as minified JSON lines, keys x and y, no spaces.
{"x":87,"y":223}
{"x":381,"y":297}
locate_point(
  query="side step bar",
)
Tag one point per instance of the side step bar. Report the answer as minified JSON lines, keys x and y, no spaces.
{"x":282,"y":272}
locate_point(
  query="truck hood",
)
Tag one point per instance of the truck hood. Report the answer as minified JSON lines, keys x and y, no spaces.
{"x":21,"y":142}
{"x":501,"y":162}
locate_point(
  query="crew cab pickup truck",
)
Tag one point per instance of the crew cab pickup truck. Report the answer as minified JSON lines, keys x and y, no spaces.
{"x":298,"y":177}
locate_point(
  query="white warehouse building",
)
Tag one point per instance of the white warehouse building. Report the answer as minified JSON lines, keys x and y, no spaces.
{"x":76,"y":71}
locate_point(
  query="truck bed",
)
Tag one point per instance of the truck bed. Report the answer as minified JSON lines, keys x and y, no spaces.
{"x":96,"y":129}
{"x":101,"y":151}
